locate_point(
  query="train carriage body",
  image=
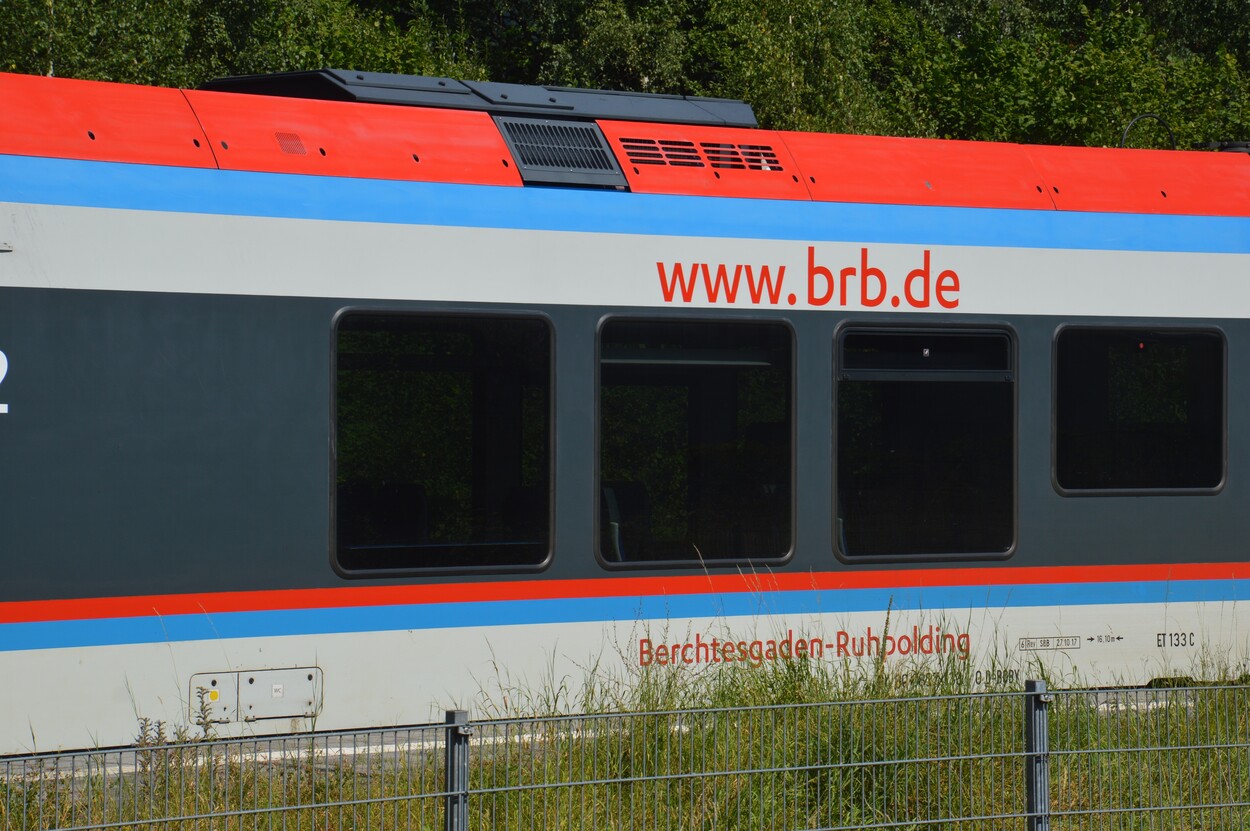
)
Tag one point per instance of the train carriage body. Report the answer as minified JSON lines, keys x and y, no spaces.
{"x":334,"y":413}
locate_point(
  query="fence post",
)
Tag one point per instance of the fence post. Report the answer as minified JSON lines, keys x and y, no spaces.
{"x":456,"y":801}
{"x":1037,"y":755}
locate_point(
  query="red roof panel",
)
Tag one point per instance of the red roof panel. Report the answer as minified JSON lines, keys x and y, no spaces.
{"x":904,"y":171}
{"x":1145,"y":181}
{"x":69,"y":119}
{"x":372,"y":141}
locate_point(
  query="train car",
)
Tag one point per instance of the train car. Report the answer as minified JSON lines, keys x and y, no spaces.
{"x":333,"y":399}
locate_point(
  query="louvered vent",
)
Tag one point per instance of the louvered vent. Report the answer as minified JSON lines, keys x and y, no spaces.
{"x":549,"y":151}
{"x":719,"y":155}
{"x":741,"y":156}
{"x":662,"y":152}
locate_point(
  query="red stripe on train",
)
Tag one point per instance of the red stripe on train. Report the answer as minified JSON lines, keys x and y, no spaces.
{"x":251,"y":601}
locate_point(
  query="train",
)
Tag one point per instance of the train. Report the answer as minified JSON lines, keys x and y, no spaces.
{"x":334,"y":399}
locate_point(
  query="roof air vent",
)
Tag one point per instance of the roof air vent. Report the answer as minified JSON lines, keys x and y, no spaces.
{"x":741,"y":156}
{"x":719,"y":155}
{"x":291,"y":143}
{"x":662,"y":152}
{"x":555,"y":152}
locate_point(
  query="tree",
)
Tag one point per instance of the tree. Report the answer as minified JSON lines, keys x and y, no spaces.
{"x":802,"y":63}
{"x":1049,"y":71}
{"x":626,"y":45}
{"x":315,"y":34}
{"x":136,"y":41}
{"x":186,"y":42}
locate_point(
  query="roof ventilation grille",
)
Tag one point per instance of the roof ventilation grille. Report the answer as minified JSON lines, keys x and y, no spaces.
{"x":662,"y":152}
{"x":555,"y":152}
{"x":291,"y":143}
{"x":717,"y":155}
{"x":759,"y":157}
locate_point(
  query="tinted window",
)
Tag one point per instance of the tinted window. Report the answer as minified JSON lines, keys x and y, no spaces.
{"x":442,"y":441}
{"x":925,"y":443}
{"x":1138,"y":409}
{"x":695,"y":426}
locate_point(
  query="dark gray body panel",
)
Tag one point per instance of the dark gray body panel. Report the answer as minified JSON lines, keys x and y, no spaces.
{"x":173,"y":443}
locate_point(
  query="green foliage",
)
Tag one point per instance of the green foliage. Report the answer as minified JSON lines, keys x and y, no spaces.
{"x":802,"y":63}
{"x":314,"y":34}
{"x":136,"y":41}
{"x":806,"y":755}
{"x":186,"y":42}
{"x":625,"y":44}
{"x":1005,"y":74}
{"x":1060,"y":71}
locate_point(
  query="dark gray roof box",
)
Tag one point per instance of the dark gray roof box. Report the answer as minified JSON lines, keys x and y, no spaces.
{"x":497,"y":99}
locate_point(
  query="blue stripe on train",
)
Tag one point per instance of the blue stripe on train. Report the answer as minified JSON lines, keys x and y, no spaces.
{"x":321,"y":621}
{"x":146,"y":187}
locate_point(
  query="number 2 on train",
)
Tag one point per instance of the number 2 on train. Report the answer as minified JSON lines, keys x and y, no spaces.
{"x":4,"y":370}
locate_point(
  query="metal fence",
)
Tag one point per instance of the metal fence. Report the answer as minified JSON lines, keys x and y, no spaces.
{"x":1033,"y":760}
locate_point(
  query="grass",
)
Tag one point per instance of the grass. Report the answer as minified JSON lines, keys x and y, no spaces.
{"x":789,"y":744}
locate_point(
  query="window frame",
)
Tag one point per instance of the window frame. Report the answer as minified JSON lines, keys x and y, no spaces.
{"x":694,"y":563}
{"x":451,"y":313}
{"x":1144,"y":328}
{"x":839,"y":376}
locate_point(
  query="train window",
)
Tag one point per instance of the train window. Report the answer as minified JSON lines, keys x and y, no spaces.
{"x":443,"y":436}
{"x":695,"y":441}
{"x":925,"y":443}
{"x":1139,"y":409}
